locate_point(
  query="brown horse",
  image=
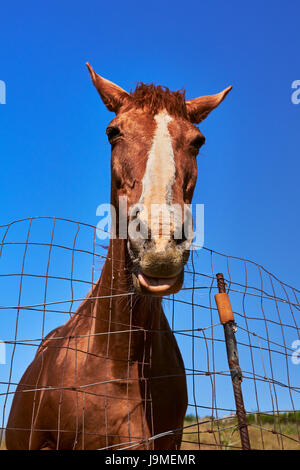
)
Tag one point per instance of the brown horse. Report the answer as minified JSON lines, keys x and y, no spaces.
{"x":113,"y":376}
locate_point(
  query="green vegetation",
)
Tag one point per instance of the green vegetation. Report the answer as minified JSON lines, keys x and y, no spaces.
{"x":281,"y":431}
{"x":284,"y":418}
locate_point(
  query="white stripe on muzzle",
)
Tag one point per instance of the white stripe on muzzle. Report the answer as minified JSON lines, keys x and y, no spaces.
{"x":159,"y":176}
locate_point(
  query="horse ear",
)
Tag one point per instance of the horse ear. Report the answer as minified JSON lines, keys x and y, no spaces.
{"x":111,"y":94}
{"x":199,"y":108}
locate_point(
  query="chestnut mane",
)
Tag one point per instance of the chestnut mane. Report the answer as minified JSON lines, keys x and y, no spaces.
{"x":157,"y":97}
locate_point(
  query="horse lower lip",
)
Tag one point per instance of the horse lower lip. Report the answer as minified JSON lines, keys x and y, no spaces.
{"x":156,"y":284}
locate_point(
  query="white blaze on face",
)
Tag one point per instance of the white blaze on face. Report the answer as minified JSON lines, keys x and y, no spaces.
{"x":160,"y":169}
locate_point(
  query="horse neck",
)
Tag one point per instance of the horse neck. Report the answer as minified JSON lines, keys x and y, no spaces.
{"x":118,"y":308}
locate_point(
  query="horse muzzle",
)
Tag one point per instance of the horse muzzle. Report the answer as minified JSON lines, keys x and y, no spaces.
{"x":158,"y":266}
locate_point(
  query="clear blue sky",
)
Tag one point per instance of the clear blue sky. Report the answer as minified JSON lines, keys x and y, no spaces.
{"x":53,"y":148}
{"x":55,"y":159}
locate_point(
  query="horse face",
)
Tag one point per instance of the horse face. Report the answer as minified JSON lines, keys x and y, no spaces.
{"x":154,"y":171}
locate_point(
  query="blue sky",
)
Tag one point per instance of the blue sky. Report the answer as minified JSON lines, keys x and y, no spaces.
{"x":54,"y":152}
{"x":55,"y":159}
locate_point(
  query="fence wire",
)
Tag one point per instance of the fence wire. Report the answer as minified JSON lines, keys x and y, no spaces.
{"x":48,"y":266}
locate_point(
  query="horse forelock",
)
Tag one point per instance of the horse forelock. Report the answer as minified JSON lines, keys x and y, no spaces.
{"x":156,"y":98}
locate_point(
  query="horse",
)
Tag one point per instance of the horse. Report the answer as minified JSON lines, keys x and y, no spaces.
{"x":112,"y":377}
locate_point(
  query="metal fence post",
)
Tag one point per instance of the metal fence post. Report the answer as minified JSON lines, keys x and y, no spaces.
{"x":227,"y":319}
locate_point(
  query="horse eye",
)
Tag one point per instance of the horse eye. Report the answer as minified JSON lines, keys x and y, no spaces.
{"x":113,"y":132}
{"x":198,"y":142}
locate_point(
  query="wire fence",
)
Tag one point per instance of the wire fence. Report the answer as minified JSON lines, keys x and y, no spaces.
{"x":48,"y":266}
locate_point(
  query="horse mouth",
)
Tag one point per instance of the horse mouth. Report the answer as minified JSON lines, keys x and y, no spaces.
{"x":159,"y":286}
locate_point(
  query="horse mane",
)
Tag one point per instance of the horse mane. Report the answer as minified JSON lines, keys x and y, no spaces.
{"x":156,"y":98}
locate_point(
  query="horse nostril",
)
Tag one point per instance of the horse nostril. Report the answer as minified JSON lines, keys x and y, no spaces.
{"x":138,"y":230}
{"x":179,"y":238}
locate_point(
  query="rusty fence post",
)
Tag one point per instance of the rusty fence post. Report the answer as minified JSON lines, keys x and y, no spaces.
{"x":227,"y":319}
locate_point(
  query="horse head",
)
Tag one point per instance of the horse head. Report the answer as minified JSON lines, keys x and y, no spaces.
{"x":154,"y":144}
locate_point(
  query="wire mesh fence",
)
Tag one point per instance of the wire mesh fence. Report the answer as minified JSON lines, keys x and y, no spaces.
{"x":48,"y":266}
